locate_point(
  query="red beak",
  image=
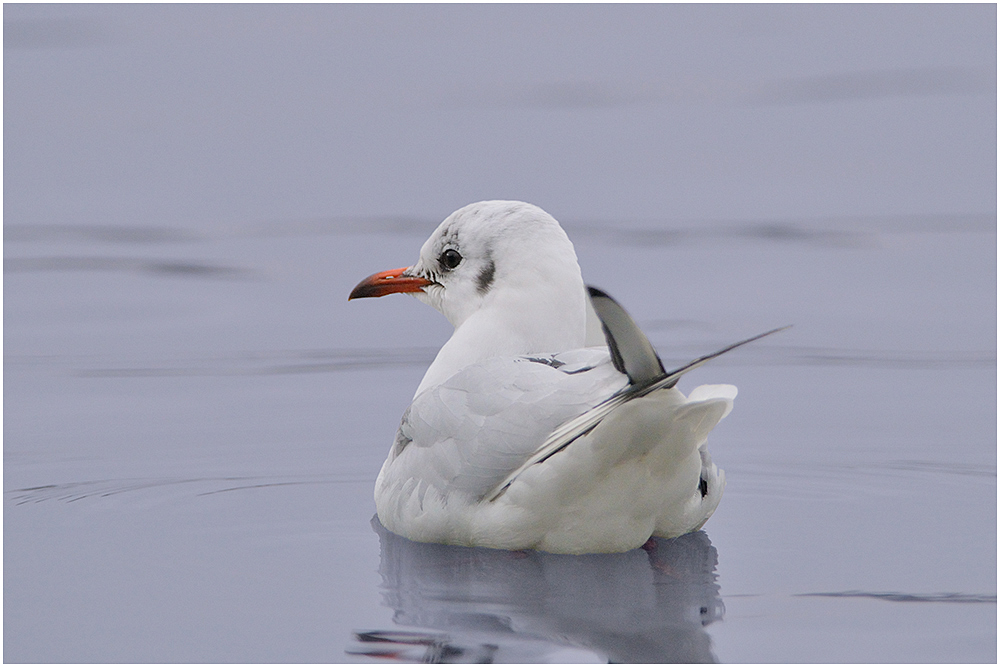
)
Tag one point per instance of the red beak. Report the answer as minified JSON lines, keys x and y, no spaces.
{"x":388,"y":282}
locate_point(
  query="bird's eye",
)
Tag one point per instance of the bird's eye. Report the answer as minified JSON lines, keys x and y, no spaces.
{"x":450,"y":258}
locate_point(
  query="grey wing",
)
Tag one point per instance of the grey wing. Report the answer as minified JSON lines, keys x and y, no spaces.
{"x":470,"y":432}
{"x":585,"y":422}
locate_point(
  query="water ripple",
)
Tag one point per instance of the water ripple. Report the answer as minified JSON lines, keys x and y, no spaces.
{"x":70,"y":492}
{"x":292,"y":362}
{"x":800,"y":355}
{"x":842,"y":232}
{"x":963,"y":598}
{"x":170,"y":267}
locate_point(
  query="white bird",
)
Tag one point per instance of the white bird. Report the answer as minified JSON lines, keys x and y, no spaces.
{"x":519,"y":436}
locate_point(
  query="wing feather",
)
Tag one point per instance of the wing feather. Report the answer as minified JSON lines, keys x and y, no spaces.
{"x":579,"y":426}
{"x":488,"y":418}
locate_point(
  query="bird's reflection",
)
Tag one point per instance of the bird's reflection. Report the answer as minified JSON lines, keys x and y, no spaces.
{"x":483,"y":605}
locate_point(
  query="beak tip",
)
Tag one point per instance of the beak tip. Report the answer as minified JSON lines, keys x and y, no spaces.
{"x":359,"y":292}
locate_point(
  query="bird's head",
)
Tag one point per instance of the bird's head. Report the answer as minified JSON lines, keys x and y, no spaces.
{"x":508,"y":253}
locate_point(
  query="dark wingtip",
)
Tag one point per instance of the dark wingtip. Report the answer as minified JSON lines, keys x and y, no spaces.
{"x":676,"y":374}
{"x":631,"y":352}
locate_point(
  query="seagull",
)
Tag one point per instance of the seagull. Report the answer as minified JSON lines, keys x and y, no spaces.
{"x":525,"y":435}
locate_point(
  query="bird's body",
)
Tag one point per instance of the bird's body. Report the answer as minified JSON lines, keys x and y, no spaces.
{"x":519,"y":437}
{"x":608,"y":491}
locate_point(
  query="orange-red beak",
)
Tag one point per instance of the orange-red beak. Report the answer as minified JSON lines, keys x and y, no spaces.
{"x":388,"y":282}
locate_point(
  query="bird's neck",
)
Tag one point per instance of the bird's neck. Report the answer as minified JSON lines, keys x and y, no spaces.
{"x":505,"y":330}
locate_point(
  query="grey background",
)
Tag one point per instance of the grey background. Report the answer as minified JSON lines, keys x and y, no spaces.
{"x":194,"y":415}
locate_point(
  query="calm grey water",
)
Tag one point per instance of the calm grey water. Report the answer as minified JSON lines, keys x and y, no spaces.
{"x":194,"y":415}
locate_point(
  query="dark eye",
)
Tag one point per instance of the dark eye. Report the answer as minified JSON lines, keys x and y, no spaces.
{"x":450,"y":258}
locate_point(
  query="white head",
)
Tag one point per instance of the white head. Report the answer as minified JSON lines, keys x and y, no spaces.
{"x":505,"y":275}
{"x":505,"y":250}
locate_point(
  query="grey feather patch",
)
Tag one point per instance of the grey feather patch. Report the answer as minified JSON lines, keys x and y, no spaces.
{"x":548,"y":361}
{"x":403,"y":437}
{"x":631,"y":351}
{"x":485,"y":278}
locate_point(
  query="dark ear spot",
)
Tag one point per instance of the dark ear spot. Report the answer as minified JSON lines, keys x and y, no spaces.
{"x":485,"y":278}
